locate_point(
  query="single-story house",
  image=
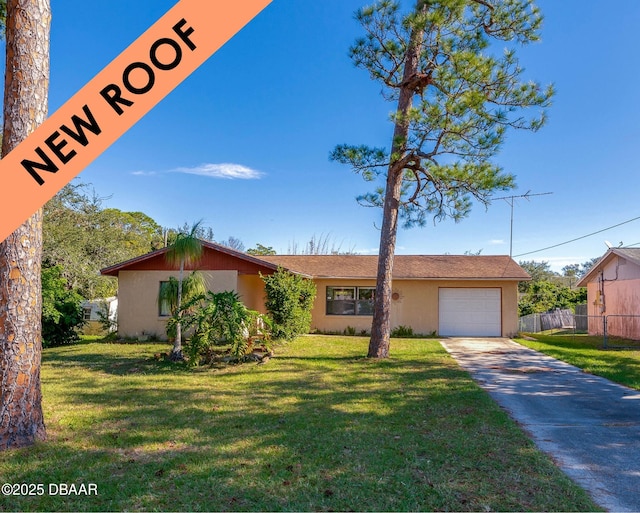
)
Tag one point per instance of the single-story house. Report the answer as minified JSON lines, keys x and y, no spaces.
{"x":92,"y":312}
{"x":448,"y":295}
{"x":613,"y":291}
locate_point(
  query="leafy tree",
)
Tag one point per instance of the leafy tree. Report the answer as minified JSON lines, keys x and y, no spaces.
{"x":82,"y":237}
{"x":572,"y":272}
{"x":289,"y":300}
{"x":25,"y":107}
{"x":585,"y":267}
{"x":261,"y":250}
{"x":186,"y":250}
{"x":544,"y":296}
{"x":201,"y":232}
{"x":539,"y":271}
{"x":455,"y":102}
{"x":61,"y":309}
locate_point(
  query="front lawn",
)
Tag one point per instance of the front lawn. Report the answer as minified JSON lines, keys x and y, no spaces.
{"x":585,"y":352}
{"x":318,"y":427}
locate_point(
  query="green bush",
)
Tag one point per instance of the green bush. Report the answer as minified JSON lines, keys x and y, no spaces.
{"x":289,"y":302}
{"x":402,"y":332}
{"x":61,"y":309}
{"x":218,"y":319}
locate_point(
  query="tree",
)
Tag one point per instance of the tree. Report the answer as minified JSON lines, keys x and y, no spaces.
{"x":185,"y":251}
{"x":82,"y":237}
{"x":571,"y":271}
{"x":25,"y":107}
{"x":585,"y":267}
{"x":320,"y":245}
{"x":202,"y":233}
{"x":261,"y":250}
{"x":455,"y":101}
{"x":193,"y":285}
{"x":233,"y":243}
{"x":219,"y":319}
{"x":289,"y":300}
{"x":61,"y":309}
{"x":544,"y":296}
{"x":539,"y":271}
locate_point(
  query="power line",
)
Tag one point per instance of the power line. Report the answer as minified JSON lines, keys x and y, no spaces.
{"x":578,"y":238}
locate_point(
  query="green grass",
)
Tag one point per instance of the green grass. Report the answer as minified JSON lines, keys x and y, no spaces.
{"x":318,"y":427}
{"x":585,"y":352}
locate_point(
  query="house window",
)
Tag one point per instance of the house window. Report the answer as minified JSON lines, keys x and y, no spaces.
{"x":164,"y":309}
{"x":86,"y":313}
{"x":350,"y":300}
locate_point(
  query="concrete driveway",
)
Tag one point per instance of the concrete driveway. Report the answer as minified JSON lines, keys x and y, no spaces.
{"x":587,"y":424}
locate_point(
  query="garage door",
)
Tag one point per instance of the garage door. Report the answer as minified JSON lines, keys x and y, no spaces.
{"x":470,"y":312}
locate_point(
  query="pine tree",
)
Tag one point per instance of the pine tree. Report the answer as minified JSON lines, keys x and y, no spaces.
{"x":25,"y":107}
{"x":455,"y":101}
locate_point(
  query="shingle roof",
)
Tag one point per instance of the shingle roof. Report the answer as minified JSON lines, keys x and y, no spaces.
{"x":629,"y":254}
{"x":405,"y":266}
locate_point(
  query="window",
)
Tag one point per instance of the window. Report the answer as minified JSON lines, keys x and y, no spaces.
{"x":164,"y":309}
{"x":86,"y":313}
{"x":350,"y":300}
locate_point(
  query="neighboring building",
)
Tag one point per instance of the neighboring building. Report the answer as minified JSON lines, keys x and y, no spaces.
{"x":613,"y":291}
{"x":447,"y":295}
{"x":92,"y":311}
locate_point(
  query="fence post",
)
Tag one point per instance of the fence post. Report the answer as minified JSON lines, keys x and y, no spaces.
{"x":604,"y":327}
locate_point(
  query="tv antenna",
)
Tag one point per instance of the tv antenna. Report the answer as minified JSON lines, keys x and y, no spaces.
{"x":511,"y":201}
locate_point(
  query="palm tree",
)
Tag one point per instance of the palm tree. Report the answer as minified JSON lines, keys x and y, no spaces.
{"x":185,"y":251}
{"x":193,"y":285}
{"x":25,"y":107}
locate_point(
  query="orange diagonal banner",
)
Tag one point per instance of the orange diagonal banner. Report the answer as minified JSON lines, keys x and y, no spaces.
{"x":114,"y":101}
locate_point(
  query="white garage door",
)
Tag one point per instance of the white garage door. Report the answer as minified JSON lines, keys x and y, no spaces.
{"x":470,"y":312}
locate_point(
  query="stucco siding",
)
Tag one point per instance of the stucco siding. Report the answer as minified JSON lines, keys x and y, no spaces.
{"x":251,"y":291}
{"x":620,"y":303}
{"x":138,"y":312}
{"x":613,"y":295}
{"x":619,"y":269}
{"x":416,"y":305}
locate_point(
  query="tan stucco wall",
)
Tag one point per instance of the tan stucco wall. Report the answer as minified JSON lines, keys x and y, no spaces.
{"x":138,"y":299}
{"x":251,"y":291}
{"x":417,"y":306}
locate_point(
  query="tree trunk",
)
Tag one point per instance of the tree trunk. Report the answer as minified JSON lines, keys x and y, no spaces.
{"x":381,"y":325}
{"x":25,"y":107}
{"x":176,"y":352}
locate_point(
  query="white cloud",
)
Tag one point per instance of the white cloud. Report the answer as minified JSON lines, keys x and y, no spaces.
{"x":225,"y":171}
{"x":144,"y":173}
{"x":497,"y":242}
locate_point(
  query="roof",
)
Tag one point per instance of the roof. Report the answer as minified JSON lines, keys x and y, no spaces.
{"x":630,"y":254}
{"x":214,"y":256}
{"x":435,"y":267}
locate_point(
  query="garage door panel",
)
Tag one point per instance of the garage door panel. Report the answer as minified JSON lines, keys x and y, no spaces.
{"x":468,"y":312}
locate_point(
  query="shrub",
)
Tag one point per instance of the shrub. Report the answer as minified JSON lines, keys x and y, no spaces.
{"x":218,"y":319}
{"x":61,"y":309}
{"x":289,"y":302}
{"x":402,"y":331}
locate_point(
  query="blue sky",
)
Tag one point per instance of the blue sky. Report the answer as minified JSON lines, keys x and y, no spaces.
{"x":243,"y":143}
